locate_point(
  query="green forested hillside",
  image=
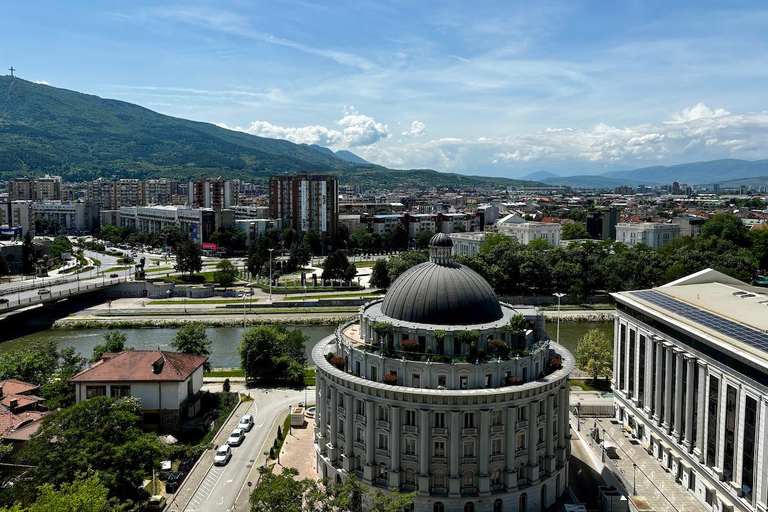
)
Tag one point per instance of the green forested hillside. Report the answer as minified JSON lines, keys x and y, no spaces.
{"x":44,"y":129}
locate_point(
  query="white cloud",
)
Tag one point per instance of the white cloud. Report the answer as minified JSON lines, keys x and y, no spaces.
{"x":42,"y":82}
{"x":696,"y":133}
{"x":417,"y":129}
{"x":354,"y":130}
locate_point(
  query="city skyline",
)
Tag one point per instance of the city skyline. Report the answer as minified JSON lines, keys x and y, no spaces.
{"x":495,"y":89}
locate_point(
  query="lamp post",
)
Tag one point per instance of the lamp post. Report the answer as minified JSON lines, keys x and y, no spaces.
{"x":558,"y":295}
{"x":244,"y":297}
{"x":270,"y":274}
{"x":634,"y":486}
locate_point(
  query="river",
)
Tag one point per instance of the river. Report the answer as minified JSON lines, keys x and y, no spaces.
{"x":225,"y":340}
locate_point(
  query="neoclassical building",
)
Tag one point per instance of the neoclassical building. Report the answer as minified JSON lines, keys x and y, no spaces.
{"x":440,"y":388}
{"x":691,"y":383}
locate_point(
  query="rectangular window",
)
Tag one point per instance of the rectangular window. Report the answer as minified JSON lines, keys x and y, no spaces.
{"x":439,"y":449}
{"x":439,"y":420}
{"x":522,"y":413}
{"x":340,"y":428}
{"x":730,"y":432}
{"x":622,"y":354}
{"x":469,"y":420}
{"x":415,"y":380}
{"x":360,"y":407}
{"x":441,"y":380}
{"x":357,"y":368}
{"x":94,"y":391}
{"x":496,"y":446}
{"x":488,"y":377}
{"x":119,"y":391}
{"x":684,"y":402}
{"x":383,"y":413}
{"x":664,"y":376}
{"x":410,"y":446}
{"x":654,"y":347}
{"x":521,"y":441}
{"x":469,"y":449}
{"x":410,"y":417}
{"x":641,"y":373}
{"x":631,"y":388}
{"x":748,"y":449}
{"x":463,"y":381}
{"x":360,"y":434}
{"x":696,"y":442}
{"x":496,"y":418}
{"x":525,"y":374}
{"x":714,"y":391}
{"x":541,"y":435}
{"x":383,"y":442}
{"x":374,"y":374}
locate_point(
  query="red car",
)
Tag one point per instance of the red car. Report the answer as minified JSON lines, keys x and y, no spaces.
{"x":113,"y":275}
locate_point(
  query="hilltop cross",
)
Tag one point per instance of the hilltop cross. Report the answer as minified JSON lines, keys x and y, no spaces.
{"x":11,"y":69}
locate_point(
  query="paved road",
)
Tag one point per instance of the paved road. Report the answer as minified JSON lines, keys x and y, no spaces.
{"x":221,"y":486}
{"x":32,"y":296}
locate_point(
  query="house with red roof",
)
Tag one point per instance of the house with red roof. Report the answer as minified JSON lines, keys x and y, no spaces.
{"x":21,"y":411}
{"x":167,"y":384}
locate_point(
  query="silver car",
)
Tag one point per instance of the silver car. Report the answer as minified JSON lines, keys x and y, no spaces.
{"x":236,"y":437}
{"x":246,"y":423}
{"x":223,"y":454}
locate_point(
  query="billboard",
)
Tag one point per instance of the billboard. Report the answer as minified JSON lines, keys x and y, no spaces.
{"x":207,"y":246}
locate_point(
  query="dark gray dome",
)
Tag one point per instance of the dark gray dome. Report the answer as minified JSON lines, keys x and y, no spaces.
{"x":441,"y":240}
{"x":442,"y":294}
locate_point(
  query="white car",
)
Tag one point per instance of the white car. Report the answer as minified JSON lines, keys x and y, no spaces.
{"x":246,"y":423}
{"x":236,"y":437}
{"x":223,"y":454}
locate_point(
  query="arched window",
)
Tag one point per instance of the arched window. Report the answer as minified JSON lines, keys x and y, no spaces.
{"x":410,"y":477}
{"x":438,"y":507}
{"x":497,"y":505}
{"x":468,"y":480}
{"x":469,"y":507}
{"x":523,"y":503}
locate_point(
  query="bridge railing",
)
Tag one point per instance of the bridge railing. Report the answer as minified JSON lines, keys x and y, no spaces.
{"x":45,"y":297}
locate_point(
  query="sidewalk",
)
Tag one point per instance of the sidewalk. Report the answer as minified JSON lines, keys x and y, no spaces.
{"x":299,"y":450}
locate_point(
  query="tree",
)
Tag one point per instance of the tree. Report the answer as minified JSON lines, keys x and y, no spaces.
{"x":726,"y":226}
{"x":59,"y":392}
{"x":299,"y":256}
{"x":34,"y":364}
{"x":314,"y":241}
{"x":28,"y":255}
{"x":84,"y":494}
{"x":574,"y":231}
{"x":594,"y":354}
{"x":759,"y":240}
{"x":110,"y":233}
{"x":281,"y":492}
{"x":423,"y":238}
{"x":258,"y":257}
{"x":272,"y":353}
{"x":380,"y":275}
{"x":336,"y":266}
{"x":114,"y":342}
{"x":225,"y":274}
{"x":60,"y":245}
{"x":399,"y":236}
{"x":230,"y":238}
{"x":192,"y":339}
{"x":100,"y":435}
{"x":189,"y":257}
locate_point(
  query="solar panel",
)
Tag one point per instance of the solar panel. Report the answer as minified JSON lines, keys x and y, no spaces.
{"x":740,"y":332}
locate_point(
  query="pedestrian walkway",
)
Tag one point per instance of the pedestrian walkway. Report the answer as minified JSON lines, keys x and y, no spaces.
{"x":652,"y":481}
{"x":299,"y":451}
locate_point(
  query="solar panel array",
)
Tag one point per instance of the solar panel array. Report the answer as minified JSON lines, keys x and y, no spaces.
{"x":737,"y":331}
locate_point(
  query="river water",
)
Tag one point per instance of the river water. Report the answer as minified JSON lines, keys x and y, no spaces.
{"x":225,"y":340}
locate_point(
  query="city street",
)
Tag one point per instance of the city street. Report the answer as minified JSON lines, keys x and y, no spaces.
{"x":212,"y":488}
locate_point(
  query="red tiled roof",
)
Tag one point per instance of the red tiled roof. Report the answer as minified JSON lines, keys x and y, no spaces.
{"x":138,"y":366}
{"x":19,"y":427}
{"x":16,"y":387}
{"x":21,"y":400}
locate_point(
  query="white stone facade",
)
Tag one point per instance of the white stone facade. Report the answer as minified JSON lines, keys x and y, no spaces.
{"x":654,"y":234}
{"x":696,"y":394}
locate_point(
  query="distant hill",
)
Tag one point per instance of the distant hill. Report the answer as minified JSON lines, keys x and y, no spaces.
{"x":540,"y":176}
{"x":343,"y":154}
{"x":592,"y":181}
{"x":44,"y":129}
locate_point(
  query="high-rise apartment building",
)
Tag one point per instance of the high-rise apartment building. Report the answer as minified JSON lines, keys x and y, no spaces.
{"x":129,"y":192}
{"x":212,"y":193}
{"x":306,"y":201}
{"x":102,"y":193}
{"x":158,"y":191}
{"x":20,"y":189}
{"x":47,"y":188}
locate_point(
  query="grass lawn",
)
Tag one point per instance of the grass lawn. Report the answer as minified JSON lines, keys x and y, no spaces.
{"x":116,"y":269}
{"x":603,"y":385}
{"x":225,"y":373}
{"x":219,"y":312}
{"x":332,"y":296}
{"x":158,"y":269}
{"x":364,"y":264}
{"x":309,"y":377}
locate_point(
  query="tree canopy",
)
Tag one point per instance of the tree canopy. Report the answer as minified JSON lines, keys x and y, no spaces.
{"x":189,"y":257}
{"x":191,"y":338}
{"x":272,"y":353}
{"x":84,"y":494}
{"x":35,"y":363}
{"x":114,"y":341}
{"x":594,"y":354}
{"x":573,"y":231}
{"x":225,"y":274}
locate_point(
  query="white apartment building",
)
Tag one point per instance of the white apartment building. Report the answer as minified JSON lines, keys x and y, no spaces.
{"x":526,"y":231}
{"x":21,"y":215}
{"x":467,"y":244}
{"x":70,"y":216}
{"x":197,"y":223}
{"x":256,"y":228}
{"x":654,"y":234}
{"x":158,"y":191}
{"x":691,"y":383}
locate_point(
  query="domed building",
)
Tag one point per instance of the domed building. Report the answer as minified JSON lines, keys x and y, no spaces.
{"x":440,"y":388}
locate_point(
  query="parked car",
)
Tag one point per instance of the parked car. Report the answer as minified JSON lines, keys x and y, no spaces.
{"x":186,"y":464}
{"x":223,"y":454}
{"x":3,"y":300}
{"x":174,"y":481}
{"x":166,"y":468}
{"x":246,"y":423}
{"x":236,"y":437}
{"x":43,"y":291}
{"x":156,"y":503}
{"x":113,"y":275}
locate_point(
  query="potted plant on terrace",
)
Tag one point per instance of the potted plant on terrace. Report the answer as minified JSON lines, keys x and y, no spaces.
{"x":389,"y":378}
{"x":338,"y":362}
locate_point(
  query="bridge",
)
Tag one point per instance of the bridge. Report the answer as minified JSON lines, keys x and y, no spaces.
{"x":33,"y":294}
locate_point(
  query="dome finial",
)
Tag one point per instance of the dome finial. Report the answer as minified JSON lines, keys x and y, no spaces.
{"x":440,"y":249}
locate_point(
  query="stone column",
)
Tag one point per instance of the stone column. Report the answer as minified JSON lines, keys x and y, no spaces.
{"x":562,"y":425}
{"x":370,"y":433}
{"x":319,"y":409}
{"x":549,"y":459}
{"x":454,"y":482}
{"x":701,"y":416}
{"x":627,"y":365}
{"x":533,"y":460}
{"x":424,"y":436}
{"x":761,"y":475}
{"x":677,"y":418}
{"x":667,"y":423}
{"x":349,"y":435}
{"x":690,"y":403}
{"x":657,"y":384}
{"x":334,"y":417}
{"x":616,"y":352}
{"x":395,"y":430}
{"x":636,"y":363}
{"x":484,"y":440}
{"x":509,"y":447}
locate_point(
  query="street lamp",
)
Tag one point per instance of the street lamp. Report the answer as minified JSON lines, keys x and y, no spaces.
{"x":634,"y":486}
{"x":558,"y":295}
{"x":270,"y":274}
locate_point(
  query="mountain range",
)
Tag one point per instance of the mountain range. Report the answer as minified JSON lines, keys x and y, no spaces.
{"x":726,"y":172}
{"x":45,"y":129}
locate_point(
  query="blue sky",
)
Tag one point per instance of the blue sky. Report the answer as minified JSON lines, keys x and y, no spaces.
{"x":498,"y":88}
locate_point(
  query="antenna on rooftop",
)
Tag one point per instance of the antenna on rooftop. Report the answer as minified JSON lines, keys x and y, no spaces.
{"x":11,"y":69}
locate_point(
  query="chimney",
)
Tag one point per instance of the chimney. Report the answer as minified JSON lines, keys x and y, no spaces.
{"x":1,"y":391}
{"x":14,"y":403}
